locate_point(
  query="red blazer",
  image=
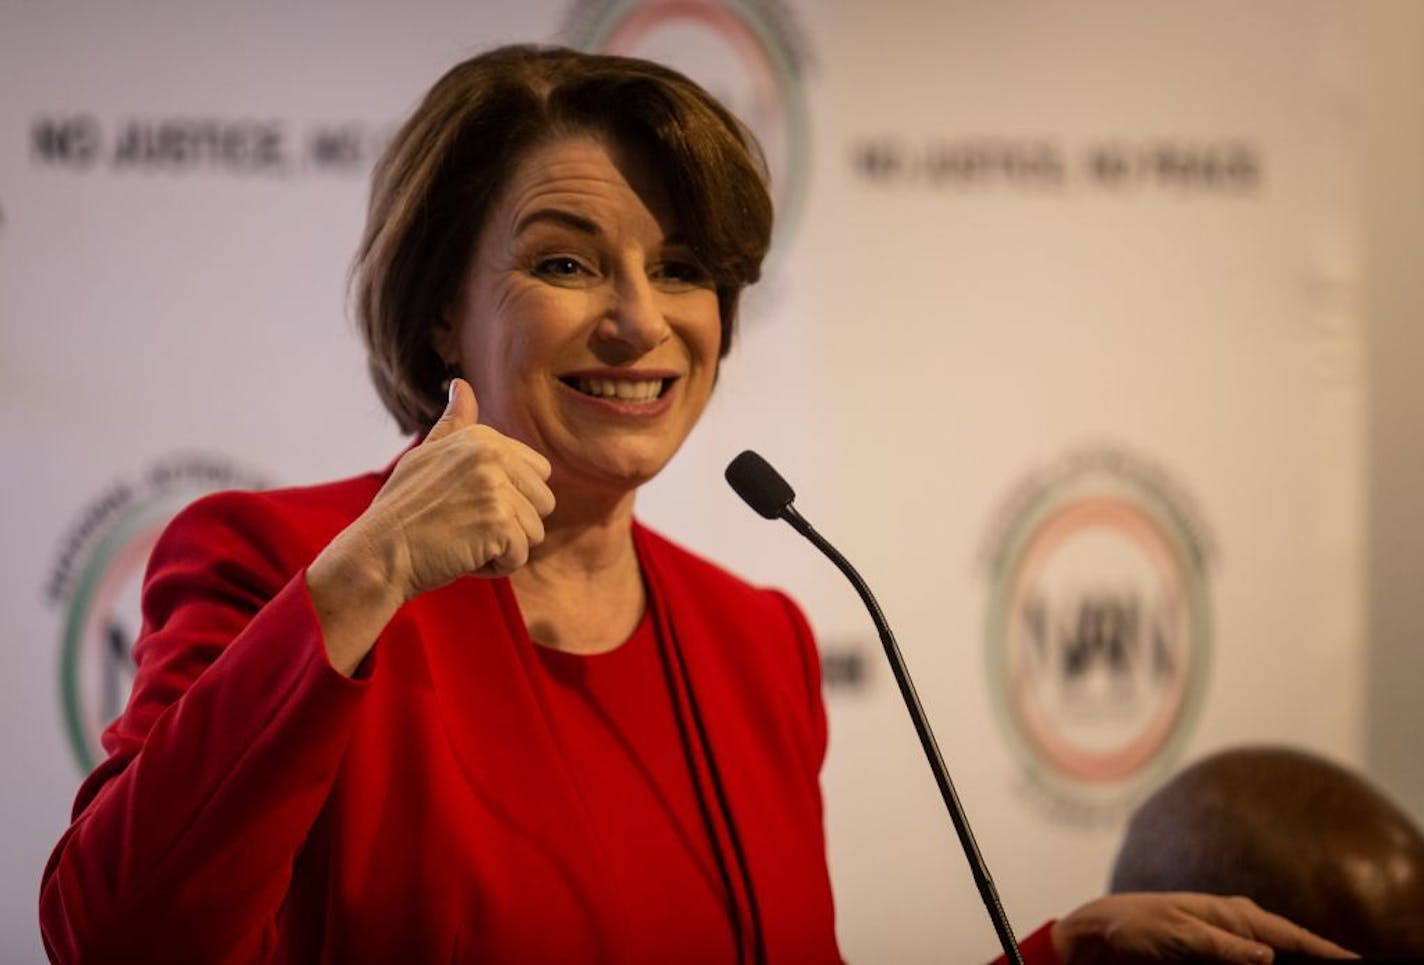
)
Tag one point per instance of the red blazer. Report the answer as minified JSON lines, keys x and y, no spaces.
{"x":258,"y":806}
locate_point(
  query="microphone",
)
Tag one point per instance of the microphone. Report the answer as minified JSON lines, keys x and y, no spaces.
{"x":760,"y":486}
{"x":763,"y":489}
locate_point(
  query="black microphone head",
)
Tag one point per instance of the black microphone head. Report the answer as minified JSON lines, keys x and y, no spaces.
{"x":759,"y":485}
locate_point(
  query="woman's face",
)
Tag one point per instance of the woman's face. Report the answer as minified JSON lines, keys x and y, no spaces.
{"x":584,"y":323}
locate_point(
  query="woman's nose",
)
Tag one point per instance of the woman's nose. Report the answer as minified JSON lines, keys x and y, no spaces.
{"x":635,"y":319}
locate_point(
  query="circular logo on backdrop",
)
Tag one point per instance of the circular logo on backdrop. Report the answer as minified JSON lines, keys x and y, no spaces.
{"x":1099,"y":628}
{"x":97,"y":579}
{"x":748,"y":54}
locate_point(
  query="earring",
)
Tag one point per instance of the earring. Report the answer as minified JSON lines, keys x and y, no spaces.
{"x":452,"y":372}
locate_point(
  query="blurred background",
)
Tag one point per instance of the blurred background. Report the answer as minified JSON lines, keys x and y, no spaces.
{"x":1091,"y":335}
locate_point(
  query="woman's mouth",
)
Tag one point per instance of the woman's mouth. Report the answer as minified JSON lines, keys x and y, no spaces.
{"x":620,"y":390}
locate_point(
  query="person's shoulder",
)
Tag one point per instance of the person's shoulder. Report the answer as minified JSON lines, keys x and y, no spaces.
{"x":710,"y":580}
{"x":666,"y":553}
{"x":340,"y":501}
{"x":299,"y":517}
{"x":759,"y":635}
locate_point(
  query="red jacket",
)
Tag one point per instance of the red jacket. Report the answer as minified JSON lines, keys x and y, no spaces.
{"x":258,"y":806}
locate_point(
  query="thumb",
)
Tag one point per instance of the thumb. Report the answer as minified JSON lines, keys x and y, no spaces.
{"x":462,"y":410}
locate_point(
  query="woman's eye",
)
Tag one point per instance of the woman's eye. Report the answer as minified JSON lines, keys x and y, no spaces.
{"x":681,"y":273}
{"x":559,"y":266}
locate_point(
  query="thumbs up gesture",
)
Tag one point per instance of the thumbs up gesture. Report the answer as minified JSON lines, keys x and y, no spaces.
{"x":466,"y":500}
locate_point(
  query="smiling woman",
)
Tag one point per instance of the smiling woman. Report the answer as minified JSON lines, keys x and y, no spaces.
{"x":467,"y":709}
{"x":587,"y":327}
{"x":434,"y":189}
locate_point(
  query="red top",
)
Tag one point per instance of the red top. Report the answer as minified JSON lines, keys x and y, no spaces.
{"x":613,"y":714}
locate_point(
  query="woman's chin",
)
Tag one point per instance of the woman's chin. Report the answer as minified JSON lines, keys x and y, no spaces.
{"x":608,"y":475}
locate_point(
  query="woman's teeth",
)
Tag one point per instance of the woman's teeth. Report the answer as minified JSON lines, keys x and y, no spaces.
{"x":643,"y":390}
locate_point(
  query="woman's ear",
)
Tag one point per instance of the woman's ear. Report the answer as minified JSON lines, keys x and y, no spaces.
{"x":444,"y":342}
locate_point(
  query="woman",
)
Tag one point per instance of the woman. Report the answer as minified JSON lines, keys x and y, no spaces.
{"x":467,"y":709}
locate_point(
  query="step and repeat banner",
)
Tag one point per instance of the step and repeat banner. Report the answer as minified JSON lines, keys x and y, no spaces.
{"x":1058,"y":342}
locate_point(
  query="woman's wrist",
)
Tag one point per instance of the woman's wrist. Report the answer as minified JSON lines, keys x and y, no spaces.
{"x":354,"y":596}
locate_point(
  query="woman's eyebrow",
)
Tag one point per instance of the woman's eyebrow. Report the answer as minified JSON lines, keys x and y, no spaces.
{"x":558,"y":216}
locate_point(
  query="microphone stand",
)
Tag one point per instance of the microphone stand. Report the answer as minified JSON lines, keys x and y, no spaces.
{"x":982,"y":880}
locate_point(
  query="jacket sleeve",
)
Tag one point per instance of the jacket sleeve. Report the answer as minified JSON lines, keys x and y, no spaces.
{"x":1036,"y":949}
{"x":183,"y":839}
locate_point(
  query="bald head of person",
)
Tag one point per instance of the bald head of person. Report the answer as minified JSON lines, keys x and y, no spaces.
{"x":1300,"y":836}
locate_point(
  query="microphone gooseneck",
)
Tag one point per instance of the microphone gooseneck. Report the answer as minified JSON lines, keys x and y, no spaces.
{"x":765,"y":491}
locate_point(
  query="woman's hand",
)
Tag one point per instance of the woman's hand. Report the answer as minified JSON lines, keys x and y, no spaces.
{"x":466,"y":500}
{"x":1180,"y":927}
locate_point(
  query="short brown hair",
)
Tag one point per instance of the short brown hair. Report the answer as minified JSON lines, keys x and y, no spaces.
{"x":434,"y":184}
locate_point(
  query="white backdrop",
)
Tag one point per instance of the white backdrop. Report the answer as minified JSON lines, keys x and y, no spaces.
{"x":1023,"y":230}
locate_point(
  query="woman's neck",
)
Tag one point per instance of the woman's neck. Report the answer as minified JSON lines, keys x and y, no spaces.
{"x":582,"y":590}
